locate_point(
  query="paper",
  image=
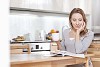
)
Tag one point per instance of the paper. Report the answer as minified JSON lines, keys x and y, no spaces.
{"x":66,"y":53}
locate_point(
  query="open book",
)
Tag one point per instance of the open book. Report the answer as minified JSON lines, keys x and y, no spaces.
{"x":66,"y":53}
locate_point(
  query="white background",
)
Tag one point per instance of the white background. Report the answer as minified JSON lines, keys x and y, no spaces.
{"x":4,"y":33}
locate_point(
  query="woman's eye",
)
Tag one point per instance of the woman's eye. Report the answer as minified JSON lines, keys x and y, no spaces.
{"x":80,"y":19}
{"x":74,"y":19}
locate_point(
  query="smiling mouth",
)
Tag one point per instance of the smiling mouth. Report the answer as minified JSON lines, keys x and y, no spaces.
{"x":77,"y":26}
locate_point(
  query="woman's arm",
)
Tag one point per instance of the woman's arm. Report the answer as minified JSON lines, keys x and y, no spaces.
{"x":61,"y":45}
{"x":82,"y":45}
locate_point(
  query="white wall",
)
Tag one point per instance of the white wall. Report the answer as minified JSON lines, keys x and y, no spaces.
{"x":4,"y":34}
{"x":96,"y":11}
{"x":21,"y":24}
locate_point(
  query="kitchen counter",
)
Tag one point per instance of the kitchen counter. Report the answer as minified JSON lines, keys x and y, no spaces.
{"x":12,"y":42}
{"x":43,"y":60}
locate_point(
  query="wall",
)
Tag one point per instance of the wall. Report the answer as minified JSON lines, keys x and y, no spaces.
{"x":29,"y":22}
{"x":4,"y":34}
{"x":96,"y":16}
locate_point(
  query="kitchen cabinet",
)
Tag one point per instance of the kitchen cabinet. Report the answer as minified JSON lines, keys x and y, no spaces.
{"x":18,"y":48}
{"x":86,"y":5}
{"x":53,"y":5}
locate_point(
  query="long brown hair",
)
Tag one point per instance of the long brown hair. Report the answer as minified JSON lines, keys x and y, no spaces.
{"x":80,"y":11}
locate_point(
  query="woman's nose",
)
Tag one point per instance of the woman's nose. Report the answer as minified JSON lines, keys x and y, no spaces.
{"x":77,"y":22}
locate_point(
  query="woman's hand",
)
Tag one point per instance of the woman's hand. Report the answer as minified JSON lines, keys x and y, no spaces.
{"x":77,"y":37}
{"x":81,"y":27}
{"x":57,"y":41}
{"x":59,"y":47}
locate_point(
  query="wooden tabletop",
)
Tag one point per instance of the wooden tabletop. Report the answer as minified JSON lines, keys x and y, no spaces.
{"x":31,"y":58}
{"x":35,"y":57}
{"x":95,"y":45}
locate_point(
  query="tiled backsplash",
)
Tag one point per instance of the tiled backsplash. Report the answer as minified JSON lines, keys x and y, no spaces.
{"x":21,"y":24}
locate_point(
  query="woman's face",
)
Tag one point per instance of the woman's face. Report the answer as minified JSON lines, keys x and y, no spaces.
{"x":77,"y":20}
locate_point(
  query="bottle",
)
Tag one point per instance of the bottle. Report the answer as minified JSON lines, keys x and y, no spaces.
{"x":43,"y":35}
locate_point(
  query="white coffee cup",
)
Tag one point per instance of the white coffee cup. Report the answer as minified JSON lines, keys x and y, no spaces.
{"x":55,"y":36}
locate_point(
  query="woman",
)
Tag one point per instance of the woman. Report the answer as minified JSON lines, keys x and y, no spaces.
{"x":78,"y":38}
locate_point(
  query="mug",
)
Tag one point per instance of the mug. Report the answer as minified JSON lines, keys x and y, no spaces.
{"x":55,"y":36}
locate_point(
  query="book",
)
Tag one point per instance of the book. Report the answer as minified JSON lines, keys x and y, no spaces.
{"x":66,"y":53}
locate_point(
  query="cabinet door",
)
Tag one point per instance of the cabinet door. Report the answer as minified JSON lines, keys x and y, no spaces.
{"x":19,"y":3}
{"x":15,"y":51}
{"x":52,"y":5}
{"x":18,"y":48}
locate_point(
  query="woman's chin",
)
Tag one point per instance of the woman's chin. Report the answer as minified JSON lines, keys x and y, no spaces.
{"x":76,"y":28}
